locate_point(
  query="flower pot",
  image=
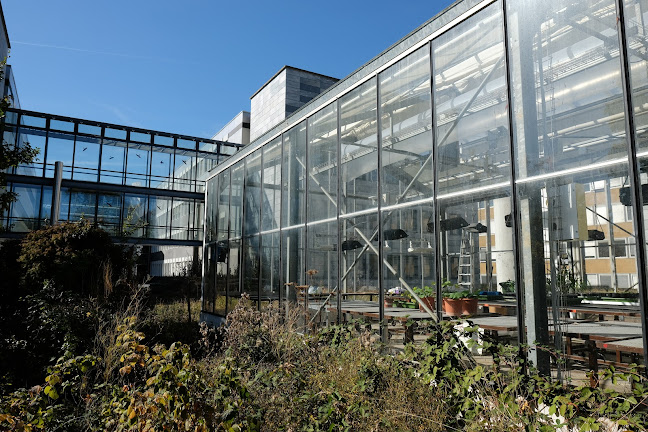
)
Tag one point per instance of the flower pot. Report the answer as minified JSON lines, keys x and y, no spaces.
{"x":429,"y":302}
{"x":389,"y":302}
{"x":458,"y":307}
{"x":469,"y":306}
{"x":452,"y":307}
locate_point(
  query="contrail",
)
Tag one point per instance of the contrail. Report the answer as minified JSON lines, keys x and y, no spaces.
{"x":98,"y":52}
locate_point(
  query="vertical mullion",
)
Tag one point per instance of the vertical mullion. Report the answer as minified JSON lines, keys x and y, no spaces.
{"x":635,"y":182}
{"x":338,"y":300}
{"x":381,"y":292}
{"x":260,"y":253}
{"x":283,"y":289}
{"x":435,"y":213}
{"x":516,"y":220}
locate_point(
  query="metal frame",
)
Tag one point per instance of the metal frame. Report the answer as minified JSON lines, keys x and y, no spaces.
{"x":635,"y":183}
{"x":516,"y":222}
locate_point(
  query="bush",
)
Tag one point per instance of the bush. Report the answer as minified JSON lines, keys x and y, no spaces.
{"x":76,"y":256}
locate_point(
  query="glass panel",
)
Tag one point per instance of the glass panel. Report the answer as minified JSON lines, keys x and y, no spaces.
{"x":109,"y":212}
{"x":358,"y":146}
{"x":46,"y":206}
{"x":251,"y":266}
{"x":209,"y":278}
{"x":570,"y":135}
{"x":182,"y":214}
{"x":222,"y":200}
{"x":27,"y":120}
{"x":293,"y":199}
{"x":227,"y":150}
{"x":186,"y":144}
{"x":115,"y":133}
{"x":183,"y":172}
{"x":163,"y":140}
{"x":473,"y":164}
{"x":409,"y":261}
{"x":406,"y":125}
{"x":211,"y":221}
{"x":196,"y":226}
{"x":359,"y":256}
{"x":271,"y":185}
{"x":89,"y":129}
{"x":236,"y":203}
{"x":140,"y":137}
{"x":471,"y":104}
{"x":269,"y":266}
{"x":205,"y":163}
{"x":159,"y":217}
{"x":60,"y":147}
{"x":112,"y":161}
{"x":161,"y":162}
{"x":86,"y":159}
{"x":36,"y":139}
{"x":24,"y":211}
{"x":322,"y":164}
{"x":11,"y":118}
{"x":322,"y":269}
{"x":252,"y":195}
{"x":292,"y":261}
{"x":636,"y":19}
{"x":137,"y":164}
{"x":64,"y":126}
{"x":567,"y":77}
{"x":134,"y":219}
{"x":82,"y":205}
{"x":233,"y":259}
{"x":65,"y":204}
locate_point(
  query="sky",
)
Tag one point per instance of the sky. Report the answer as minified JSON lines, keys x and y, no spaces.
{"x":189,"y":66}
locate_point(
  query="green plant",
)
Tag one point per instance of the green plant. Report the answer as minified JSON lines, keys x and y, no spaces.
{"x":459,"y":295}
{"x":426,"y":291}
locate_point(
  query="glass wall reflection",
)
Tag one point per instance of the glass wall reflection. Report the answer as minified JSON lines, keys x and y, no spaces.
{"x":486,"y":170}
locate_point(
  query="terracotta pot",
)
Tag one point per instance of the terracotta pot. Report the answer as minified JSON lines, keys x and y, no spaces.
{"x":429,"y":301}
{"x":458,"y":307}
{"x":469,"y":306}
{"x":452,"y":307}
{"x":389,"y":302}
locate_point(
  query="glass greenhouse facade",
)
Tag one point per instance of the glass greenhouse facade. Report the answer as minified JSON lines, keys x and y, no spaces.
{"x":500,"y":149}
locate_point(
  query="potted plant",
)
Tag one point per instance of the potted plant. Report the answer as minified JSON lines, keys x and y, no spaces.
{"x":313,"y":288}
{"x":427,"y":295}
{"x":391,"y":296}
{"x":460,"y":303}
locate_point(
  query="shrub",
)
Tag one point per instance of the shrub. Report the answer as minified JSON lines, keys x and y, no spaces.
{"x":76,"y":256}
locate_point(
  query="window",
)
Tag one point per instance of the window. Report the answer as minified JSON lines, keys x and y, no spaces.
{"x":603,"y":250}
{"x":620,"y":249}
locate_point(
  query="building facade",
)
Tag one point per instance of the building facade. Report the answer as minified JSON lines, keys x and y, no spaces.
{"x":500,"y":148}
{"x":284,"y":93}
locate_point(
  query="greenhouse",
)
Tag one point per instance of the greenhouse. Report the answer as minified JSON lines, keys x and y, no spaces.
{"x":494,"y":160}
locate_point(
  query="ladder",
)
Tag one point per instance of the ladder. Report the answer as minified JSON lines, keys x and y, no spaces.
{"x":466,"y":270}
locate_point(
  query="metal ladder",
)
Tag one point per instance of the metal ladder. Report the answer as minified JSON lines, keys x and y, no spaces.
{"x":466,"y":271}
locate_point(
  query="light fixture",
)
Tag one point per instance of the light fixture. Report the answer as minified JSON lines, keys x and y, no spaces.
{"x":351,"y":245}
{"x":387,"y":247}
{"x":476,"y":228}
{"x":593,"y":235}
{"x":451,"y":224}
{"x":411,"y":248}
{"x":391,"y":234}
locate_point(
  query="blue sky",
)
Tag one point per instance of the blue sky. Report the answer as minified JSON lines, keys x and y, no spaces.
{"x":187,"y":66}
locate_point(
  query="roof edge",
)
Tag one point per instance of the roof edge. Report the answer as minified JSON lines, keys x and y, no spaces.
{"x":293,"y":68}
